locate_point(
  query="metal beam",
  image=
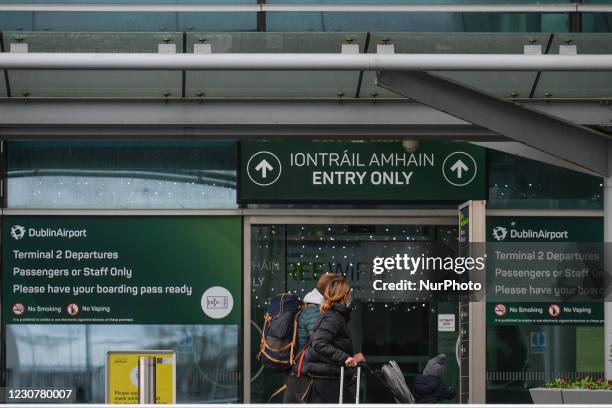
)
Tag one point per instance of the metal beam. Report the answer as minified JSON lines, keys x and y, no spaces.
{"x":229,"y":119}
{"x":297,"y":8}
{"x":151,"y":118}
{"x":308,"y":8}
{"x":306,"y":61}
{"x":568,"y":141}
{"x":419,"y":8}
{"x":193,"y":112}
{"x":238,"y":132}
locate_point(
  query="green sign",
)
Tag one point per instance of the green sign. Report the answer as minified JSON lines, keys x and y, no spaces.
{"x":350,"y":171}
{"x":143,"y":270}
{"x":517,"y":314}
{"x":546,"y":258}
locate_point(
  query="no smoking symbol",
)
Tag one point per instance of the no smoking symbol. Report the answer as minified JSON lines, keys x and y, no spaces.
{"x":18,"y":309}
{"x":500,"y":310}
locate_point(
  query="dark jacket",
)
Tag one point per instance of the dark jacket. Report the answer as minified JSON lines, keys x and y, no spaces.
{"x":330,"y":343}
{"x":428,"y":389}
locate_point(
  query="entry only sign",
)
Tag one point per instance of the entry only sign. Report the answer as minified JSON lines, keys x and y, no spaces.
{"x":358,"y":171}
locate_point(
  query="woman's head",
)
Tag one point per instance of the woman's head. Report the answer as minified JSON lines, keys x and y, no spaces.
{"x":338,"y":290}
{"x":324,"y":280}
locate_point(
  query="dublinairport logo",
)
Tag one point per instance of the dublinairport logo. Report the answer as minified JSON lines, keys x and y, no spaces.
{"x":17,"y":232}
{"x":501,"y":233}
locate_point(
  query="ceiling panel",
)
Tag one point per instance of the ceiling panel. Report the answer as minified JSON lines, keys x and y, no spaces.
{"x":578,"y":84}
{"x":502,"y":84}
{"x":67,"y":83}
{"x":273,"y":83}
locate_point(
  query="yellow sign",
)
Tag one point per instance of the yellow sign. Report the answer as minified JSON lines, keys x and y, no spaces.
{"x":122,"y":376}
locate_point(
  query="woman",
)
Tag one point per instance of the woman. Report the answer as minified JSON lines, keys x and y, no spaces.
{"x":331,"y":347}
{"x":296,"y":386}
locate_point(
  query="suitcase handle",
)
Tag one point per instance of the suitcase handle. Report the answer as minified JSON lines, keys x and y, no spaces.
{"x":341,"y":393}
{"x":358,"y":385}
{"x":341,"y":384}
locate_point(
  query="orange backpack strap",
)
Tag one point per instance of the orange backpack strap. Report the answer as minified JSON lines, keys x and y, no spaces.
{"x":294,"y":338}
{"x":277,"y":392}
{"x":299,"y":369}
{"x":262,"y":342}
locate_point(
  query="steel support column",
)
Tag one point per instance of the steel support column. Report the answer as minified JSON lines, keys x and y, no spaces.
{"x":568,"y":141}
{"x":607,"y":193}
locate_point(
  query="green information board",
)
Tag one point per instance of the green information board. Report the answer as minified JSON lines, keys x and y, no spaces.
{"x":132,"y":269}
{"x":356,"y":171}
{"x":512,"y":241}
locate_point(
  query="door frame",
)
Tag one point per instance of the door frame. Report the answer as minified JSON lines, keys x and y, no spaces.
{"x":476,"y":311}
{"x":313,"y":217}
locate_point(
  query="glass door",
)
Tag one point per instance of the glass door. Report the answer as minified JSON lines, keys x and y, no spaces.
{"x":385,"y":325}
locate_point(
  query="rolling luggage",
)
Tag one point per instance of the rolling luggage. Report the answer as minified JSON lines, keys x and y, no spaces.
{"x":341,"y":398}
{"x":390,"y":377}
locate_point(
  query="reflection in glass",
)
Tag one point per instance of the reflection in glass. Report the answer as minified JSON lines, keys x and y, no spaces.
{"x":121,"y":175}
{"x":290,"y":258}
{"x":416,"y":22}
{"x":515,"y":364}
{"x":73,"y":356}
{"x":537,"y":185}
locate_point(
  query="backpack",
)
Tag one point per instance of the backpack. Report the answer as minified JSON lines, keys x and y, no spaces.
{"x":279,"y":332}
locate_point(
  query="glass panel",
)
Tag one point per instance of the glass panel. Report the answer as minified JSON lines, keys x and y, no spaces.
{"x":537,"y":185}
{"x":269,"y":278}
{"x":597,"y":22}
{"x":67,"y":83}
{"x":412,"y":22}
{"x":128,"y":22}
{"x":414,"y":1}
{"x":3,"y":88}
{"x":501,"y":84}
{"x":122,"y":175}
{"x":292,"y":257}
{"x":273,"y":83}
{"x":342,"y":21}
{"x":577,"y":84}
{"x":135,"y":2}
{"x":513,"y":367}
{"x":73,"y":356}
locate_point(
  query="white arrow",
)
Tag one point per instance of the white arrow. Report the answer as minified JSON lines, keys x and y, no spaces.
{"x":264,"y":167}
{"x":459,"y":167}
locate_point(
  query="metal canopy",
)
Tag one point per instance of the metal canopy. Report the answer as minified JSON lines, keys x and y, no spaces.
{"x":301,"y":83}
{"x":568,"y":141}
{"x":329,"y":78}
